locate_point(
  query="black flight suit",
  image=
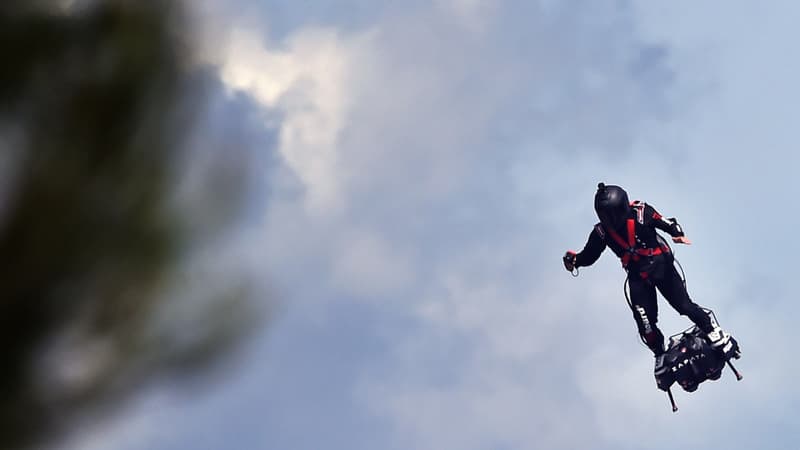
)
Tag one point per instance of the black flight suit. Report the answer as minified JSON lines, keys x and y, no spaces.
{"x":649,"y":265}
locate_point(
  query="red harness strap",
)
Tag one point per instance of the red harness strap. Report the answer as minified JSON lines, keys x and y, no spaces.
{"x":631,"y":252}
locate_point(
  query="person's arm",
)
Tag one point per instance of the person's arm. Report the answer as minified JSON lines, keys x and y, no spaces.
{"x":670,"y":226}
{"x":591,"y":251}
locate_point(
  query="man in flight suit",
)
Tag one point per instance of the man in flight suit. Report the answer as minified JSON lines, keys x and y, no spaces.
{"x":629,"y":230}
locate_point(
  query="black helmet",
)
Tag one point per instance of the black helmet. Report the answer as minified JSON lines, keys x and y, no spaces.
{"x":611,"y":204}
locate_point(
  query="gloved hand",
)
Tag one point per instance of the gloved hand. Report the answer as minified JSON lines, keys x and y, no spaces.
{"x":570,"y":260}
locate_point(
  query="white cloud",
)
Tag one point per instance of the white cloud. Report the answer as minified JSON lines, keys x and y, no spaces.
{"x":370,"y":266}
{"x":473,"y":14}
{"x":447,"y":170}
{"x":306,"y":79}
{"x":417,"y":140}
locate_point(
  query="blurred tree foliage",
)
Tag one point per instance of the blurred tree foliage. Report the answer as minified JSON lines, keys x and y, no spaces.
{"x":94,"y":110}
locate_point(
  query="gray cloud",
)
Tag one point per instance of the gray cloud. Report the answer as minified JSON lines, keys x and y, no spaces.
{"x":445,"y":157}
{"x":451,"y":139}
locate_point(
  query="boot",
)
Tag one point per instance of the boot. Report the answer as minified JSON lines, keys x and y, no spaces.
{"x":718,"y":337}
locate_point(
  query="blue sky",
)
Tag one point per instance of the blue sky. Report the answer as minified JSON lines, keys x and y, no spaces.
{"x":425,"y":164}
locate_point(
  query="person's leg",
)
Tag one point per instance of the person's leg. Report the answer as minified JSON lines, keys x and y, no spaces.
{"x":672,"y":288}
{"x":645,"y":312}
